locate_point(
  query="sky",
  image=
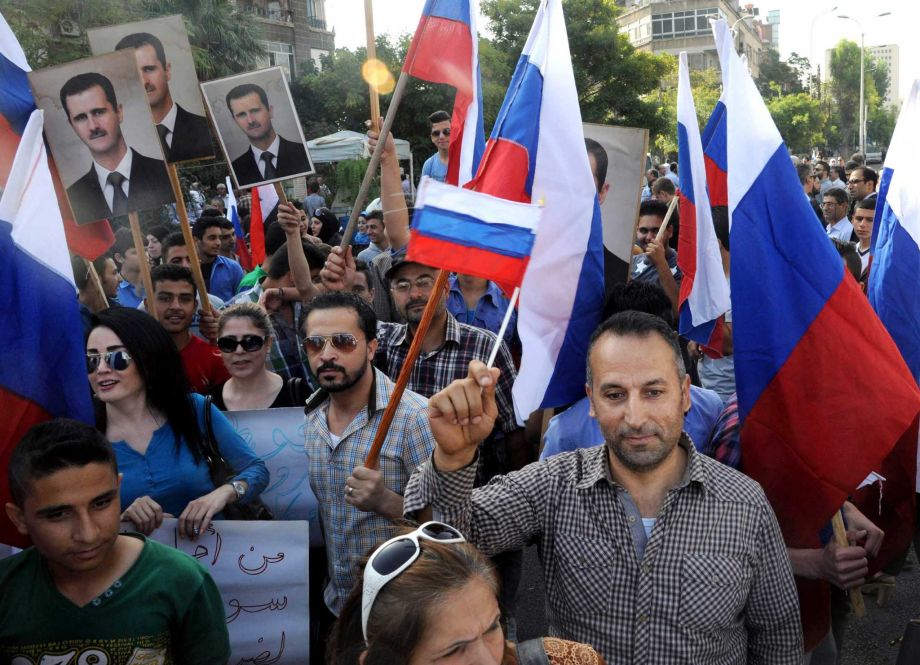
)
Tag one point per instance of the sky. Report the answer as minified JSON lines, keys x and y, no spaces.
{"x":796,"y":21}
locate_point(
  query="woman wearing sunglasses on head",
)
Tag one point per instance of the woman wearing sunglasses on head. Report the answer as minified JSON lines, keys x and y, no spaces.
{"x":427,"y":596}
{"x":159,"y":430}
{"x":325,"y":225}
{"x":244,"y":337}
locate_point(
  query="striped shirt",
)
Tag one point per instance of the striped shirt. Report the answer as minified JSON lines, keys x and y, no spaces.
{"x":351,"y":533}
{"x":710,"y":585}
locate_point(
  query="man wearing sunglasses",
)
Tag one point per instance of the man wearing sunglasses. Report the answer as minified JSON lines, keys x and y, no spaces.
{"x":436,"y":165}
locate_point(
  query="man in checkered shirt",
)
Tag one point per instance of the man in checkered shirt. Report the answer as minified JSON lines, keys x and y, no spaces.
{"x":652,"y":553}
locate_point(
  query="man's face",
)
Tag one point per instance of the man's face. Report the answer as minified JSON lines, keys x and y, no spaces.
{"x":638,"y":398}
{"x":361,"y":288}
{"x":650,"y":177}
{"x":338,"y":370}
{"x":175,"y":305}
{"x":664,"y":197}
{"x":812,"y":186}
{"x":252,"y":116}
{"x":155,"y":76}
{"x":221,"y":190}
{"x":858,"y":187}
{"x":95,"y":121}
{"x":820,"y":172}
{"x":411,"y":287}
{"x":227,"y":240}
{"x":72,"y":517}
{"x":177,"y":255}
{"x":647,"y":230}
{"x":209,"y":243}
{"x":110,"y":278}
{"x":440,"y":135}
{"x":862,"y":224}
{"x":374,"y":230}
{"x":833,"y":211}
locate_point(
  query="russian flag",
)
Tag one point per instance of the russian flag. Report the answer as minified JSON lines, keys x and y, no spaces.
{"x":714,"y":134}
{"x":814,"y":424}
{"x":264,"y":198}
{"x":704,"y":295}
{"x":242,"y":251}
{"x":537,"y":153}
{"x":466,"y":231}
{"x":42,"y":368}
{"x":445,"y":49}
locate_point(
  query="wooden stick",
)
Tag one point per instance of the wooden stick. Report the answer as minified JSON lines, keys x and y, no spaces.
{"x":204,"y":302}
{"x":144,"y":262}
{"x":372,"y":55}
{"x":94,"y":277}
{"x":667,"y":218}
{"x":414,"y":349}
{"x":375,"y":159}
{"x":840,"y":536}
{"x":279,"y":190}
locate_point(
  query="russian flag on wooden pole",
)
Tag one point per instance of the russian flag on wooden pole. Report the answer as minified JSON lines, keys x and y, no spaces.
{"x":445,"y":50}
{"x":42,"y":369}
{"x":242,"y":251}
{"x":714,"y":134}
{"x":264,"y":198}
{"x":704,"y":296}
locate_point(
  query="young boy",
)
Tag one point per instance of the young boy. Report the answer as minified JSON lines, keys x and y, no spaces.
{"x":84,"y":593}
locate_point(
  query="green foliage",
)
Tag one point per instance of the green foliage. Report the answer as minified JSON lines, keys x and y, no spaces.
{"x":348,"y":177}
{"x":800,"y":120}
{"x":844,"y":72}
{"x":706,"y":85}
{"x":782,"y":78}
{"x":880,"y":125}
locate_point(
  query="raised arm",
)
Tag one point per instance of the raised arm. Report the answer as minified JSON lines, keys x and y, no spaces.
{"x":392,"y":198}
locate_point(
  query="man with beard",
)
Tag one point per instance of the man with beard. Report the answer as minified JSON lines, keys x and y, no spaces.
{"x":656,"y":263}
{"x":356,"y":504}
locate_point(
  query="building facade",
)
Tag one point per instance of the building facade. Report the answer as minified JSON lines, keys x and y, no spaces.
{"x":890,"y":55}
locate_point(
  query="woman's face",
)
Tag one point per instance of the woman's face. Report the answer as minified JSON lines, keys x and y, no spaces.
{"x":464,"y":629}
{"x":315,"y":226}
{"x":111,"y":385}
{"x":243,"y":364}
{"x":110,"y":278}
{"x":154,"y":248}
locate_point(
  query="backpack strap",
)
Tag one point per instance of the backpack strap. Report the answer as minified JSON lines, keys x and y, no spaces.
{"x":532,"y":652}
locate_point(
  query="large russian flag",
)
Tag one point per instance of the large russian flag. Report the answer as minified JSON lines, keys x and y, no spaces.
{"x":445,"y":49}
{"x":704,"y":295}
{"x":462,"y":230}
{"x":42,"y":368}
{"x":714,"y":134}
{"x":537,"y":153}
{"x":814,"y":424}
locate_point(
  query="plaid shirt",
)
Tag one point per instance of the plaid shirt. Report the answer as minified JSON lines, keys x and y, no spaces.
{"x":351,"y":533}
{"x":714,"y":585}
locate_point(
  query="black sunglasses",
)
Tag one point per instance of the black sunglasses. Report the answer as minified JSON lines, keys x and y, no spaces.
{"x":248,"y":342}
{"x":345,"y":342}
{"x":438,"y":132}
{"x":115,"y":360}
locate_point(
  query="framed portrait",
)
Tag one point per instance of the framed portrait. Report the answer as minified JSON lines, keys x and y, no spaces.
{"x":166,"y":67}
{"x":258,"y":127}
{"x":100,"y":131}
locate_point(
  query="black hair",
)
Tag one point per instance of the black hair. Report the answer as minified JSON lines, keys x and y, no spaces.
{"x":600,"y":159}
{"x":664,"y":184}
{"x":205,"y":222}
{"x":851,"y":260}
{"x":653,"y":207}
{"x":80,"y":268}
{"x":825,"y":165}
{"x":367,"y":319}
{"x":158,"y":231}
{"x":804,"y":171}
{"x":638,"y":324}
{"x":641,"y":297}
{"x":867,"y":203}
{"x":139,"y":39}
{"x":174,"y":239}
{"x":312,"y":186}
{"x":275,"y":238}
{"x":838,"y":194}
{"x":869,"y":174}
{"x":52,"y":446}
{"x":243,"y":90}
{"x":840,"y":171}
{"x":331,"y":223}
{"x":123,"y":241}
{"x":363,"y":268}
{"x":720,"y":222}
{"x":279,"y":265}
{"x":438,"y":116}
{"x":82,"y":83}
{"x":374,"y":214}
{"x":160,"y":367}
{"x":169,"y":272}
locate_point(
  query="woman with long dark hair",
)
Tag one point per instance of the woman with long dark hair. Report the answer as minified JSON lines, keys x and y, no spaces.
{"x":159,"y":430}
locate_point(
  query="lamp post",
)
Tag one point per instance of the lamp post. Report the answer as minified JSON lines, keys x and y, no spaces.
{"x":811,"y":50}
{"x":740,"y":18}
{"x":862,"y":78}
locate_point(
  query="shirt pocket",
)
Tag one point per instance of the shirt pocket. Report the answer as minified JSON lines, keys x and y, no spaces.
{"x":584,"y":574}
{"x":713,"y":592}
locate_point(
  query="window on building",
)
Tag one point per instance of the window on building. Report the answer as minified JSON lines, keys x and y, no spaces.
{"x":280,"y":54}
{"x":691,"y":23}
{"x":315,"y":15}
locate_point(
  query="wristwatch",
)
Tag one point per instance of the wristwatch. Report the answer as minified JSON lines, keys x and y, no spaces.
{"x":239,"y":488}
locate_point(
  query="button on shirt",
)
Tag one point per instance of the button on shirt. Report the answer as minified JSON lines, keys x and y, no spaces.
{"x":711,"y":585}
{"x":350,"y":533}
{"x":273,"y":149}
{"x":108,"y":189}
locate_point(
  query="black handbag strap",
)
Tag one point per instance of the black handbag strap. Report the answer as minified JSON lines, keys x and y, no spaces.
{"x":532,"y":652}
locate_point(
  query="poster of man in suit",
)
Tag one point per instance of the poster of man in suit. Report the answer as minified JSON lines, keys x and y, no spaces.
{"x":100,"y":130}
{"x":258,"y":127}
{"x":165,"y":64}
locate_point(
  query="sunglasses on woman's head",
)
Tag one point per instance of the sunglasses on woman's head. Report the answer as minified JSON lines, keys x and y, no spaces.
{"x":248,"y":342}
{"x":342,"y":341}
{"x":114,"y":360}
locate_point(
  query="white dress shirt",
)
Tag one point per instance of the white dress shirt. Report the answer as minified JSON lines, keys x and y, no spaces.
{"x":108,"y":189}
{"x":273,"y":149}
{"x":169,"y":122}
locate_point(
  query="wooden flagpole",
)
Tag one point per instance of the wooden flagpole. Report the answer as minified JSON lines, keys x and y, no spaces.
{"x":667,"y":218}
{"x":204,"y":302}
{"x":840,"y":536}
{"x":372,"y":55}
{"x":144,"y":262}
{"x":97,"y":283}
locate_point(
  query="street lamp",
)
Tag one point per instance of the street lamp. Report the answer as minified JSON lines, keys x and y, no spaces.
{"x":738,"y":34}
{"x":862,"y":77}
{"x":811,"y":48}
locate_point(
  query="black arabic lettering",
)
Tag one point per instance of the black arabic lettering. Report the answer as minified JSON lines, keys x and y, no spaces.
{"x":263,"y":566}
{"x":272,"y":605}
{"x":265,"y":658}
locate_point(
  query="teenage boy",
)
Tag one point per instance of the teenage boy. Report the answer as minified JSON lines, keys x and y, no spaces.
{"x":84,"y":593}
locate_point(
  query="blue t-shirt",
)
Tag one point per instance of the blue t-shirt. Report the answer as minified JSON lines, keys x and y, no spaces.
{"x":489,"y":312}
{"x":172,"y":478}
{"x":435,"y":168}
{"x":574,"y":428}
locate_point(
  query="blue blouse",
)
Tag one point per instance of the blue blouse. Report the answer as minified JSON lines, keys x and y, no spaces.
{"x":172,"y":478}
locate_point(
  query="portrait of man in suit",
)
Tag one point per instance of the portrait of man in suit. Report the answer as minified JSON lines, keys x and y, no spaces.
{"x":184,"y":135}
{"x":269,"y":155}
{"x":120,"y":179}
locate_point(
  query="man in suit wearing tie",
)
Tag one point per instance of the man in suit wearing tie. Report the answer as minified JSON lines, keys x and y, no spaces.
{"x":270,"y":155}
{"x":121,"y":180}
{"x":184,"y":135}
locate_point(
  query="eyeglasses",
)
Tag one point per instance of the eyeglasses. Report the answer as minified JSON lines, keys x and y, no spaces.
{"x":345,"y":342}
{"x":248,"y":342}
{"x":115,"y":360}
{"x":397,"y":554}
{"x":422,"y":284}
{"x":439,"y":132}
{"x":854,"y":182}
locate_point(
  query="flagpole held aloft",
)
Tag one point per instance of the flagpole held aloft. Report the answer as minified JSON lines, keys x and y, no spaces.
{"x":672,"y":206}
{"x":501,"y":331}
{"x":372,"y":55}
{"x":203,"y":302}
{"x":144,"y":262}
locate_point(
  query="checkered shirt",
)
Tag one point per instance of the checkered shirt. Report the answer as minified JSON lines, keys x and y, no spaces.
{"x":351,"y":533}
{"x":714,"y":586}
{"x":435,"y":370}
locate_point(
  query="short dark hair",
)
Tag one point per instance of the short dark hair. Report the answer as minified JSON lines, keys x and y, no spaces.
{"x":158,"y":231}
{"x":825,"y":165}
{"x":246,"y":89}
{"x":439,"y":116}
{"x":52,"y":446}
{"x":641,"y":297}
{"x":664,"y":184}
{"x":363,"y":268}
{"x":653,"y":207}
{"x":638,"y":324}
{"x":203,"y":223}
{"x":280,"y":265}
{"x":867,"y":203}
{"x":174,"y":239}
{"x":600,"y":159}
{"x":168,"y":272}
{"x":82,"y":83}
{"x":374,"y":214}
{"x":80,"y":268}
{"x":275,"y":238}
{"x":840,"y":171}
{"x":847,"y":251}
{"x":123,"y":241}
{"x":804,"y":171}
{"x":367,"y":319}
{"x":139,"y":39}
{"x":312,"y":186}
{"x":869,"y":174}
{"x":838,"y":194}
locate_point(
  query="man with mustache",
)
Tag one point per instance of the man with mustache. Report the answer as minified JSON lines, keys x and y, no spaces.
{"x":120,"y":180}
{"x":270,"y":156}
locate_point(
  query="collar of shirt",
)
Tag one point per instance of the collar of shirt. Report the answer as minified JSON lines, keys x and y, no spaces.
{"x":839,"y":225}
{"x":599,"y":468}
{"x":493,"y":291}
{"x":400,"y":335}
{"x":273,"y":149}
{"x":169,"y":121}
{"x":124,"y":168}
{"x":377,"y":400}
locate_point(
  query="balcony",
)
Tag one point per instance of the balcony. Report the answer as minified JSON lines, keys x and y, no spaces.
{"x":272,"y":11}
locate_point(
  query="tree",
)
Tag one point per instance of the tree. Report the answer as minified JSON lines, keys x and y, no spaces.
{"x":799,"y":119}
{"x":706,"y":85}
{"x":844,"y":73}
{"x":783,"y":78}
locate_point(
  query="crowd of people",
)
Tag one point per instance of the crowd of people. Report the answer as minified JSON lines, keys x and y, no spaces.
{"x":655,"y":547}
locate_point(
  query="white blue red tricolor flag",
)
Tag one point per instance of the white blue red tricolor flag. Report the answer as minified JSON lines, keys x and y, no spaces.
{"x":233,"y":213}
{"x":466,"y":231}
{"x":714,"y":134}
{"x":42,"y":367}
{"x":704,"y":295}
{"x":263,"y":210}
{"x":445,"y":49}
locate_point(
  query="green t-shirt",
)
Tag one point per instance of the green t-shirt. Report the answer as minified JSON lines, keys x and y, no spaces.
{"x":250,"y":279}
{"x":165,"y":610}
